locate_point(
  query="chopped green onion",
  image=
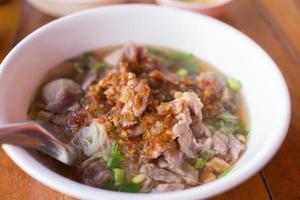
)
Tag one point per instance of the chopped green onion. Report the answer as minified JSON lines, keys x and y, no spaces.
{"x":178,"y":94}
{"x":79,"y":70}
{"x":123,"y":187}
{"x":116,"y":156}
{"x":139,"y":178}
{"x":244,"y":132}
{"x":115,"y":150}
{"x":225,"y":172}
{"x":228,"y":129}
{"x":228,"y":117}
{"x":205,"y":153}
{"x":233,"y":84}
{"x":111,"y":186}
{"x":98,"y":66}
{"x":155,"y":51}
{"x":174,"y":55}
{"x":87,"y":54}
{"x":243,"y":129}
{"x":180,"y":55}
{"x":187,"y":59}
{"x":191,"y":90}
{"x":182,"y":72}
{"x":119,"y":175}
{"x":82,"y":62}
{"x":200,"y":163}
{"x":192,"y":67}
{"x":43,"y":115}
{"x":128,"y":187}
{"x":216,"y":123}
{"x":229,"y":123}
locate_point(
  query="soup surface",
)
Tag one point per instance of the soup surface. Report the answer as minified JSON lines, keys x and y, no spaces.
{"x":145,"y":119}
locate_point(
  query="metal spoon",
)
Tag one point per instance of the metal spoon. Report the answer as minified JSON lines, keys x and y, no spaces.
{"x":40,"y":136}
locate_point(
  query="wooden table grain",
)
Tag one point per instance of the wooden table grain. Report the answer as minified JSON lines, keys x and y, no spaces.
{"x":274,"y":24}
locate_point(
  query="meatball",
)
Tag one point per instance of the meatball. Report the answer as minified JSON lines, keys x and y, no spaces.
{"x":94,"y":172}
{"x":61,"y":94}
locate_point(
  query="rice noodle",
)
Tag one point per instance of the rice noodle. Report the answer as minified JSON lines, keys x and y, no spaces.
{"x":94,"y":139}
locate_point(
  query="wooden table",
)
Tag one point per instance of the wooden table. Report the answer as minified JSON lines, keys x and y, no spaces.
{"x":274,"y":24}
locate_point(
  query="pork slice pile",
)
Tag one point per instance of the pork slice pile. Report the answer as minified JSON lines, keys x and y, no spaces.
{"x":178,"y":123}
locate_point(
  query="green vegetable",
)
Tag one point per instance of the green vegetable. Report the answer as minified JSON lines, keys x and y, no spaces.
{"x":111,"y":186}
{"x":116,"y":156}
{"x":200,"y":163}
{"x":139,"y":178}
{"x":79,"y":70}
{"x":176,"y":58}
{"x":98,"y":66}
{"x":244,"y":132}
{"x":43,"y":116}
{"x":119,"y":175}
{"x":178,"y":94}
{"x":82,"y":63}
{"x":182,"y":72}
{"x":192,"y":67}
{"x":155,"y":51}
{"x":243,"y":129}
{"x":173,"y":55}
{"x":228,"y":117}
{"x":179,"y":55}
{"x":129,"y":187}
{"x":87,"y":54}
{"x":225,"y":172}
{"x":205,"y":154}
{"x":229,"y":124}
{"x":233,"y":84}
{"x":191,"y":90}
{"x":123,"y":187}
{"x":216,"y":123}
{"x":228,"y":129}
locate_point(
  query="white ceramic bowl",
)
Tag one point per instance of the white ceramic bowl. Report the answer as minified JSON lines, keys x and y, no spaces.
{"x":212,"y":9}
{"x":63,"y":7}
{"x":229,"y":50}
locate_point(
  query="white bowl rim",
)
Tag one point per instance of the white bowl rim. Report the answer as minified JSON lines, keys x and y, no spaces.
{"x":74,"y":1}
{"x":75,"y":189}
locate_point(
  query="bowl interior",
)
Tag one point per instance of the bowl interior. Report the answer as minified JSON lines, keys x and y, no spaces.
{"x":220,"y":45}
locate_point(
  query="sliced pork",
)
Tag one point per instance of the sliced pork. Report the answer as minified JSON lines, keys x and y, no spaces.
{"x":159,"y":174}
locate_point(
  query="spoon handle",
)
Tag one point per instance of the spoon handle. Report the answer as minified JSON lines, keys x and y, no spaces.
{"x":35,"y":136}
{"x":24,"y":134}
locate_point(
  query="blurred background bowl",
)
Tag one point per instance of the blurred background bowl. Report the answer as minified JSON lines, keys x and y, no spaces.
{"x":63,"y":7}
{"x":212,"y":8}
